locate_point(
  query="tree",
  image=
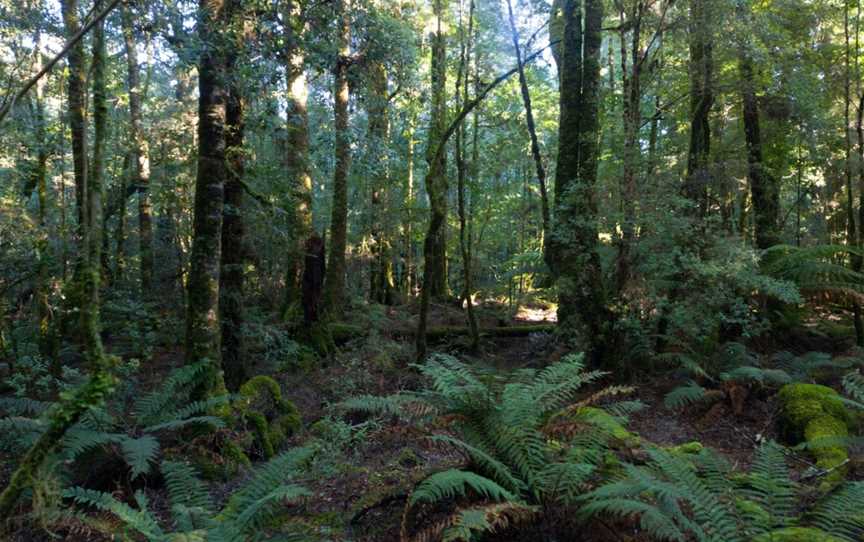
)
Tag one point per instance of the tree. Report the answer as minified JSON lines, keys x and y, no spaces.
{"x":296,"y":147}
{"x":701,"y":101}
{"x":334,"y":282}
{"x":202,"y":318}
{"x":582,"y":313}
{"x":141,"y":153}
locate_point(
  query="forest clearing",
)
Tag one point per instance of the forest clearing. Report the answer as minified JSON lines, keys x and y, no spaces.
{"x":431,"y":270}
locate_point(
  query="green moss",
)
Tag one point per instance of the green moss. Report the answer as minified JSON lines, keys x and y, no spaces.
{"x":797,"y":534}
{"x":816,"y":415}
{"x":801,"y":403}
{"x":272,"y":418}
{"x":690,"y":448}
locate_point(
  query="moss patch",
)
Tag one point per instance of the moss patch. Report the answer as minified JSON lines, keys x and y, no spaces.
{"x":271,"y":418}
{"x":797,"y":534}
{"x":816,"y":415}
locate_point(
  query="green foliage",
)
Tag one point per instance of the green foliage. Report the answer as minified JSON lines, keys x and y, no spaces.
{"x":250,"y":509}
{"x":702,"y":498}
{"x":822,"y":272}
{"x":525,"y":438}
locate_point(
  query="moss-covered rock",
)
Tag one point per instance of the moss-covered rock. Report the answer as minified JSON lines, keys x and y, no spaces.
{"x":797,"y":534}
{"x":262,"y":409}
{"x":816,"y":415}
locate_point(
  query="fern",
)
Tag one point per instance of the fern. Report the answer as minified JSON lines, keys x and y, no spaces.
{"x":243,"y":518}
{"x":456,"y":483}
{"x":683,"y":396}
{"x":505,"y":427}
{"x":139,"y":453}
{"x":840,"y":513}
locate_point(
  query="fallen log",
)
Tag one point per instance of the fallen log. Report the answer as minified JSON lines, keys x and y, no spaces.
{"x":345,"y":332}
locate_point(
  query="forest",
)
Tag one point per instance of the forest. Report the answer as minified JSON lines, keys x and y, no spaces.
{"x":431,"y":270}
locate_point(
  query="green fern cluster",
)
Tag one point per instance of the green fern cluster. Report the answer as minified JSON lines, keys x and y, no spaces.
{"x":733,"y":362}
{"x":821,"y":272}
{"x":699,"y":497}
{"x":136,"y":435}
{"x":249,"y":511}
{"x":522,"y":435}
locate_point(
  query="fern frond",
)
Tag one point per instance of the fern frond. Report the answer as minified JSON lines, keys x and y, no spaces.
{"x":497,"y":470}
{"x":769,"y":485}
{"x":140,"y":520}
{"x":184,"y":487}
{"x":139,"y":453}
{"x":22,"y":406}
{"x":456,"y":483}
{"x":683,"y":396}
{"x":213,"y":421}
{"x":653,"y":521}
{"x":840,"y":512}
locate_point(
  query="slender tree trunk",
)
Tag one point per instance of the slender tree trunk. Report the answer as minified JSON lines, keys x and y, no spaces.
{"x":851,"y":229}
{"x":297,"y":150}
{"x":120,"y":231}
{"x":77,"y":84}
{"x":382,"y":285}
{"x":701,"y":101}
{"x":464,"y":241}
{"x":202,"y":320}
{"x":582,"y":314}
{"x":632,"y":112}
{"x":408,"y":222}
{"x":141,"y":152}
{"x":529,"y":122}
{"x":334,"y":283}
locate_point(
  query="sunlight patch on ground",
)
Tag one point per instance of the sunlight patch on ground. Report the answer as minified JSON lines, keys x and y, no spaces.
{"x":538,"y":314}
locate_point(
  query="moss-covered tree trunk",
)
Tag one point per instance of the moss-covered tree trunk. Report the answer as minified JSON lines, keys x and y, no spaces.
{"x":434,"y":283}
{"x":334,"y":282}
{"x":76,"y":89}
{"x":296,"y":149}
{"x":141,"y":151}
{"x":202,"y":319}
{"x":582,"y":314}
{"x":435,"y":258}
{"x":231,"y":278}
{"x":382,"y":283}
{"x":701,"y":101}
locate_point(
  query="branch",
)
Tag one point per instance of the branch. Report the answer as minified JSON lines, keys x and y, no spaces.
{"x":7,"y":107}
{"x":442,"y":144}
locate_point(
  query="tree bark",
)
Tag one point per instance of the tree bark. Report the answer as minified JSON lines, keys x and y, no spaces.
{"x":141,"y":151}
{"x":464,"y":241}
{"x":582,"y":314}
{"x":296,"y":150}
{"x":77,"y":84}
{"x":334,"y":283}
{"x":382,"y":284}
{"x":435,"y":245}
{"x":701,"y":101}
{"x":202,"y":320}
{"x":231,"y":279}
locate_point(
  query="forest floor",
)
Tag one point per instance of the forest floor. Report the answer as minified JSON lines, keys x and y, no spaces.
{"x":362,"y":493}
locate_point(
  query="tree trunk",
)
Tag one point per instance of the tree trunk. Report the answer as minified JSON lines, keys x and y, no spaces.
{"x":296,"y":150}
{"x":231,"y":280}
{"x":202,"y":320}
{"x":529,"y":122}
{"x":582,"y":314}
{"x":382,"y":285}
{"x":334,"y":283}
{"x":141,"y":151}
{"x":434,"y":246}
{"x":464,"y":241}
{"x":701,"y":101}
{"x":437,"y":186}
